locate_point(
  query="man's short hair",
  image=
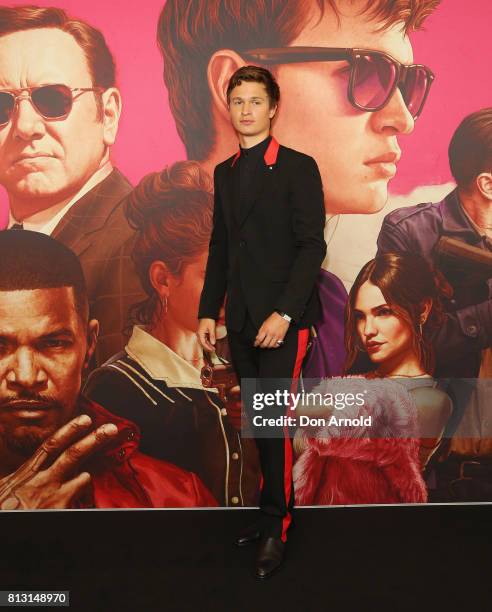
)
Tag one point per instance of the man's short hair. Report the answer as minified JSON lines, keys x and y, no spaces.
{"x":31,"y":260}
{"x":98,"y":56}
{"x":189,"y":32}
{"x":470,"y":149}
{"x":256,"y":74}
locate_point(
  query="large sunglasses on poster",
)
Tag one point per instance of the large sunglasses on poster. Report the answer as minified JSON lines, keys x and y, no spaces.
{"x":374,"y":75}
{"x":52,"y":102}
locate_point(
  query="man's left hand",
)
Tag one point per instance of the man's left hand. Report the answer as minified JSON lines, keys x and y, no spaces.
{"x":272,"y":329}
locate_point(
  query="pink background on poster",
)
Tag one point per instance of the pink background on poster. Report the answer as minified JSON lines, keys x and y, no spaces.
{"x":455,"y":44}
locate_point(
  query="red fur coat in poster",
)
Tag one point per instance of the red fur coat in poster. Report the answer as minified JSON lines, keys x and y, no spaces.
{"x":361,"y":464}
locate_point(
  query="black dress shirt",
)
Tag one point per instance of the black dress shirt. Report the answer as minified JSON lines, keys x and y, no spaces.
{"x":248,"y":163}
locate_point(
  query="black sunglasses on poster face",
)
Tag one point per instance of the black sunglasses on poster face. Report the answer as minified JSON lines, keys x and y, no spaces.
{"x":51,"y":101}
{"x":371,"y":73}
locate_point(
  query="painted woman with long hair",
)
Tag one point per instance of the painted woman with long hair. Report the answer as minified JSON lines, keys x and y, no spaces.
{"x":393,"y":307}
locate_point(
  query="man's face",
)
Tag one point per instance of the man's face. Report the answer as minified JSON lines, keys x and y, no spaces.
{"x":43,"y":348}
{"x":316,"y":117}
{"x":249,"y":107}
{"x":40,"y":158}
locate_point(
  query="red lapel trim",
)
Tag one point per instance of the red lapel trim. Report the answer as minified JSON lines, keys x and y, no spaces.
{"x":270,"y":156}
{"x":236,"y":157}
{"x":271,"y":153}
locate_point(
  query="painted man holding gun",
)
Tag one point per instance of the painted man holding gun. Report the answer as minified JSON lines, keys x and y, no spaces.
{"x":463,"y":342}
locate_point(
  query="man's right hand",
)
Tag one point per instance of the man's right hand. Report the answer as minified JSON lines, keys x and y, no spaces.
{"x":51,"y":478}
{"x":206,"y":334}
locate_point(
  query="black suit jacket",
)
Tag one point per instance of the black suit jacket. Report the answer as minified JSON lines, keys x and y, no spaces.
{"x":266,"y":253}
{"x":97,"y":230}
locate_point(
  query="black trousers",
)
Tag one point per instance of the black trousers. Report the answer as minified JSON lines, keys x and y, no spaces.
{"x":276,"y":368}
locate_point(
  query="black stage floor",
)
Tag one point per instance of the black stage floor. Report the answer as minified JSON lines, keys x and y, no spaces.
{"x":367,"y":559}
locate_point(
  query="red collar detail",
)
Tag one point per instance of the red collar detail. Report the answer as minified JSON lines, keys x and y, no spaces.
{"x":236,"y":157}
{"x":270,"y":156}
{"x":271,"y":153}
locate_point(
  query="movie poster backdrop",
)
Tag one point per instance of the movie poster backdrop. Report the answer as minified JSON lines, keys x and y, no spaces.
{"x":181,"y":440}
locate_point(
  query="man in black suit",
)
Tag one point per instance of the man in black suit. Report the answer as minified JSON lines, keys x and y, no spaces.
{"x":265,"y":252}
{"x":59,"y":114}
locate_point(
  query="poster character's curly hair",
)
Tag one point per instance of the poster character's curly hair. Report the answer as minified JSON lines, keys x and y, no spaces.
{"x":172,"y":212}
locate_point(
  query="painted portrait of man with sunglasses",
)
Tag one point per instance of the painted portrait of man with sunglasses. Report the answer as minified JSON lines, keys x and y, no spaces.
{"x":347,"y":69}
{"x":351,"y":88}
{"x":59,"y":113}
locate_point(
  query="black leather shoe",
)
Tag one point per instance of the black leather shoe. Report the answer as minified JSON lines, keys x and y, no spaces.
{"x":249,"y":535}
{"x":270,"y":557}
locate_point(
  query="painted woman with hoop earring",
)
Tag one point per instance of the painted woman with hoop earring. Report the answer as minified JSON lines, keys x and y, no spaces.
{"x":157,"y":378}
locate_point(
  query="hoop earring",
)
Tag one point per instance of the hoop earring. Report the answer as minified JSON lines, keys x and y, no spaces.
{"x":422,"y":322}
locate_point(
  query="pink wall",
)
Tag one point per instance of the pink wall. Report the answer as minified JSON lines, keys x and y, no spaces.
{"x":455,"y":45}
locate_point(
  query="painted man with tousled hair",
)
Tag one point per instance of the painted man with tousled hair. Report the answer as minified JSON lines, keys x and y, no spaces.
{"x":357,"y":150}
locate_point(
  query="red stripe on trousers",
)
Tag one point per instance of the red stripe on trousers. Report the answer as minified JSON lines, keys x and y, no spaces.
{"x":302,"y":340}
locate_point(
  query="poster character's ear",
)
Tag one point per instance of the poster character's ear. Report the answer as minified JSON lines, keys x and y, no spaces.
{"x":159,"y":277}
{"x":425,"y":308}
{"x":222,"y":65}
{"x":484,"y":185}
{"x":111,"y":111}
{"x":92,"y":334}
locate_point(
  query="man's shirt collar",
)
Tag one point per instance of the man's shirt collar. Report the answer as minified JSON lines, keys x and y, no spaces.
{"x":258,"y":150}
